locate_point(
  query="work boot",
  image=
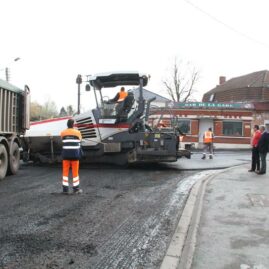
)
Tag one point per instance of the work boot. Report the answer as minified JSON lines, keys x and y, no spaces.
{"x":77,"y":191}
{"x":210,"y":157}
{"x":203,"y":157}
{"x":65,"y":190}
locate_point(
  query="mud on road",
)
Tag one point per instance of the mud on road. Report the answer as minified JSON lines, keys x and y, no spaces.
{"x":125,"y":217}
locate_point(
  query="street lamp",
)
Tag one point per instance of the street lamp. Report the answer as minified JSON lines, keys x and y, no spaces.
{"x":79,"y":81}
{"x":7,"y":70}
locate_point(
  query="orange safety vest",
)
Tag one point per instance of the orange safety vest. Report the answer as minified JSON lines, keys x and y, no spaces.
{"x":208,"y":137}
{"x":71,"y":144}
{"x":122,"y":96}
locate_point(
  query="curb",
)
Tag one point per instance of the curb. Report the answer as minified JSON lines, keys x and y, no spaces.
{"x":180,"y":251}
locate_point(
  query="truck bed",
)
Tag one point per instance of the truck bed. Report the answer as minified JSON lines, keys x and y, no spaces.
{"x":10,"y":108}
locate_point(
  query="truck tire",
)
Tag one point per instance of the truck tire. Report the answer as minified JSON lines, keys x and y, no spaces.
{"x":3,"y":161}
{"x":14,"y":159}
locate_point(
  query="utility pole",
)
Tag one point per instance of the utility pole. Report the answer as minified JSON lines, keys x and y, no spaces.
{"x":7,"y":69}
{"x":7,"y":74}
{"x":79,"y":81}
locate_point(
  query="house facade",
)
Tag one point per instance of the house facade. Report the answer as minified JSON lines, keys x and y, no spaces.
{"x":231,"y":123}
{"x":231,"y":109}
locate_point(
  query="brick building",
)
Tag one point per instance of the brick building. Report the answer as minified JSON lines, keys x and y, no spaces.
{"x":231,"y":123}
{"x":230,"y":109}
{"x":252,"y":87}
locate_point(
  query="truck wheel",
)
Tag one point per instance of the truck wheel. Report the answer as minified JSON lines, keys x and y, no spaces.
{"x":3,"y":161}
{"x":14,"y":159}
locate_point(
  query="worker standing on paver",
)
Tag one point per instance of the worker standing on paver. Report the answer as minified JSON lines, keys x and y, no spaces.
{"x":208,"y":143}
{"x":71,"y":154}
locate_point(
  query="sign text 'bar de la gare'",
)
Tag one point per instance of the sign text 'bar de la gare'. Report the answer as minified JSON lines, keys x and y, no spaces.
{"x":213,"y":105}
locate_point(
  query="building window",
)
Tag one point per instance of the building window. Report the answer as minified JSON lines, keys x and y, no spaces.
{"x":233,"y":128}
{"x":184,"y":126}
{"x":211,"y":98}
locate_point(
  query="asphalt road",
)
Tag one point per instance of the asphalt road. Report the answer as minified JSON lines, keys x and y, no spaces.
{"x":124,"y":219}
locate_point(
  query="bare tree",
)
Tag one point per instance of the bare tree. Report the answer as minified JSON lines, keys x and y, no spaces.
{"x":41,"y":112}
{"x":49,"y":110}
{"x":181,"y":85}
{"x":63,"y":112}
{"x":35,"y":111}
{"x":70,"y":110}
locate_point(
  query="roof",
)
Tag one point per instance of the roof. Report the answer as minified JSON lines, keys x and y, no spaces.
{"x":5,"y":85}
{"x":117,"y":79}
{"x":148,"y":95}
{"x":258,"y":79}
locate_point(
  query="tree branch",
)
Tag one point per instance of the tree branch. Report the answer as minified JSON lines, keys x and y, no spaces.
{"x":181,"y":86}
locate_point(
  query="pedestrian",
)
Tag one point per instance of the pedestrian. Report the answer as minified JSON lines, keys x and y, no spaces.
{"x":255,"y":158}
{"x":71,"y":154}
{"x":263,"y":145}
{"x":208,"y":143}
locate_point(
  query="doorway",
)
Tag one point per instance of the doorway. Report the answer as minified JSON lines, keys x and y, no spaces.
{"x":204,"y":124}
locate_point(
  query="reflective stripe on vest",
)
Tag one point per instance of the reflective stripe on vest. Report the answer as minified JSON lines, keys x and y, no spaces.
{"x":122,"y":96}
{"x":208,"y":137}
{"x":71,"y":144}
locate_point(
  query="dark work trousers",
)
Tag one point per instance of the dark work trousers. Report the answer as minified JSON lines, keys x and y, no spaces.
{"x":208,"y":147}
{"x":263,"y":162}
{"x":255,"y":165}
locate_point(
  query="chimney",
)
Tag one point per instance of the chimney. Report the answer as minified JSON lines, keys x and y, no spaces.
{"x":222,"y":80}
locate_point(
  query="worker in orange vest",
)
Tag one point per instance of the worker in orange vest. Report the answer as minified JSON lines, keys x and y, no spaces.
{"x":71,"y":153}
{"x":208,"y":143}
{"x":120,"y":96}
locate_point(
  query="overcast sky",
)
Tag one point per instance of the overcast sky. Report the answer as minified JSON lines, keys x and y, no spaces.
{"x":58,"y":39}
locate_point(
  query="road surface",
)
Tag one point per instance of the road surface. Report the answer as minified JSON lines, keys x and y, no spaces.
{"x":125,"y":217}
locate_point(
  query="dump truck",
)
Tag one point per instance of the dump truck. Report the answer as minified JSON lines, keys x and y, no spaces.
{"x":111,"y":132}
{"x":14,"y":120}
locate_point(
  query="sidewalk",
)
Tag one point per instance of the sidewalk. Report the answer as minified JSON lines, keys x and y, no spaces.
{"x":229,"y":223}
{"x":221,"y":160}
